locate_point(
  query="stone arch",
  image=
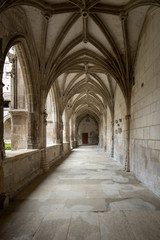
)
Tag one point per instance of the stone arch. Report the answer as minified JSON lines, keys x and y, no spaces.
{"x":51,"y":118}
{"x":7,"y":127}
{"x":24,"y":56}
{"x":22,"y":53}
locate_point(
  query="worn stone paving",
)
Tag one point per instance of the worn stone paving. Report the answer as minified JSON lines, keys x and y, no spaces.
{"x":87,"y":196}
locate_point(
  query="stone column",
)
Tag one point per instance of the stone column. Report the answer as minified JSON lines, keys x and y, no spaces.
{"x":74,"y":133}
{"x":126,"y":164}
{"x":2,"y":147}
{"x":44,"y":162}
{"x":19,"y":129}
{"x":75,"y":136}
{"x":61,"y":134}
{"x":105,"y":130}
{"x":71,"y":134}
{"x":101,"y":132}
{"x":66,"y":127}
{"x":13,"y":74}
{"x":66,"y":134}
{"x":4,"y":200}
{"x":2,"y":151}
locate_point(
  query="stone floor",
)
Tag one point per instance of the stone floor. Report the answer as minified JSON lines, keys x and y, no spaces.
{"x":86,"y":197}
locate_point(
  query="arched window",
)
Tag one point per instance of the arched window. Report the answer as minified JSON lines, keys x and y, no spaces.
{"x":15,"y":104}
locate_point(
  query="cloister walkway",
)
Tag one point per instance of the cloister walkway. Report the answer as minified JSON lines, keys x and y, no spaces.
{"x":87,"y":196}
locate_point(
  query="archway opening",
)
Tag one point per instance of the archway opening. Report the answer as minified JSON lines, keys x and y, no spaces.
{"x":15,"y":102}
{"x":51,"y":127}
{"x":7,"y":130}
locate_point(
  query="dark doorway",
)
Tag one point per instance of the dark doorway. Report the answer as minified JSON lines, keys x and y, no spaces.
{"x":84,"y":138}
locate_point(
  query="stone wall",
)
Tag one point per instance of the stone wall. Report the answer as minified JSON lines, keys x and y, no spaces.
{"x":53,"y":153}
{"x":119,"y":125}
{"x":20,"y":168}
{"x":145,"y":106}
{"x":89,"y":127}
{"x":66,"y":147}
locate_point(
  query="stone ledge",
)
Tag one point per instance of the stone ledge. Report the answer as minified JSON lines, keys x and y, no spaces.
{"x":13,"y":155}
{"x":55,"y":145}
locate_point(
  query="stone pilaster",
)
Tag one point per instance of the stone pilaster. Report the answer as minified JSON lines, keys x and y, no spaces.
{"x":126,"y":164}
{"x":112,"y":144}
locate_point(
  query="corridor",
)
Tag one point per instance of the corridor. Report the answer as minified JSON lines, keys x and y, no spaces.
{"x":87,"y":196}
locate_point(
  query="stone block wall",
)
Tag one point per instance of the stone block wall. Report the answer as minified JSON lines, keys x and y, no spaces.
{"x":53,"y":153}
{"x":119,"y":125}
{"x":145,"y":106}
{"x":20,"y":169}
{"x":66,"y":147}
{"x":90,"y":127}
{"x":22,"y":166}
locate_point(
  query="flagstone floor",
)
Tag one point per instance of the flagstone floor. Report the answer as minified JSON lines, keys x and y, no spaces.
{"x":87,"y":196}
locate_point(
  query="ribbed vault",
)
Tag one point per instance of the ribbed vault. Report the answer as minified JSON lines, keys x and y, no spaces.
{"x":83,"y":48}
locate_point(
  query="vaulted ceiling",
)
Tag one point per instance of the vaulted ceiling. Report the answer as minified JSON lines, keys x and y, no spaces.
{"x":84,"y":47}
